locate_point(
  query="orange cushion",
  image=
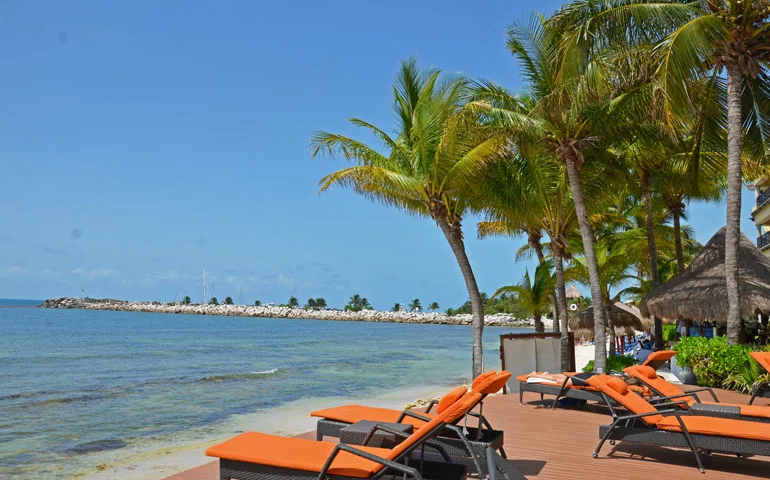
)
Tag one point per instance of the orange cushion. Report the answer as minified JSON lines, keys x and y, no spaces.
{"x":660,"y":356}
{"x":493,"y":383}
{"x":481,"y":378}
{"x":356,"y":413}
{"x":763,"y":358}
{"x":755,"y":411}
{"x":629,"y":399}
{"x":450,"y":398}
{"x":648,"y":372}
{"x":723,"y":427}
{"x":618,"y":385}
{"x":296,"y":454}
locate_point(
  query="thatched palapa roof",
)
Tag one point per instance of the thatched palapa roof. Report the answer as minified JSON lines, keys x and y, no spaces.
{"x":624,"y":317}
{"x":573,"y":293}
{"x":700,"y":293}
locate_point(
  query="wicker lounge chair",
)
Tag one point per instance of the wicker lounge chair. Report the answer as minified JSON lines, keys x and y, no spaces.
{"x":659,"y":358}
{"x":479,"y":438}
{"x":675,"y":427}
{"x":690,"y":401}
{"x":762,"y":389}
{"x":257,"y":456}
{"x":573,"y":386}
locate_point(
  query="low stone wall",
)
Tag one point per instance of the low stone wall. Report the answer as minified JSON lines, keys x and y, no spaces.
{"x":285,"y":312}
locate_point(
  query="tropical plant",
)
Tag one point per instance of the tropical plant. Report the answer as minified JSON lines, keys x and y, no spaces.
{"x":257,"y":303}
{"x":213,"y":301}
{"x":434,"y":306}
{"x":320,"y":302}
{"x":534,"y":294}
{"x":415,"y":305}
{"x":615,"y":363}
{"x":186,"y":300}
{"x":716,"y":363}
{"x":293,"y":302}
{"x":357,"y":303}
{"x":430,"y":168}
{"x":695,"y":41}
{"x":228,"y":301}
{"x":396,"y":307}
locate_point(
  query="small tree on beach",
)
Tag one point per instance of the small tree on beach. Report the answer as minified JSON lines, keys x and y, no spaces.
{"x":396,"y":307}
{"x":415,"y":305}
{"x":186,"y":300}
{"x":213,"y":301}
{"x":257,"y":303}
{"x":228,"y":301}
{"x":434,"y":306}
{"x":320,"y":303}
{"x":430,"y":168}
{"x":293,"y":302}
{"x":534,"y":294}
{"x":311,"y":303}
{"x":358,"y":303}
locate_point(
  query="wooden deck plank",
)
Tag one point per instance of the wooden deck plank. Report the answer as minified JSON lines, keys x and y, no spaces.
{"x":556,"y":444}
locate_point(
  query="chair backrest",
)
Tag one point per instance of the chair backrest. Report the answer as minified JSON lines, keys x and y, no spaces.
{"x":481,"y":378}
{"x":451,"y":414}
{"x":616,"y":389}
{"x":763,"y":358}
{"x":450,"y":398}
{"x":492,"y":383}
{"x":649,"y":376}
{"x":657,"y":359}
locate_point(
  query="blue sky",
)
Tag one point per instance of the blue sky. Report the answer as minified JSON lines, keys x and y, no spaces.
{"x":144,"y":141}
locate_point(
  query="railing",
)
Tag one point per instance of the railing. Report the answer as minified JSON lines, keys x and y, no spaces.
{"x":763,"y":241}
{"x":763,"y":198}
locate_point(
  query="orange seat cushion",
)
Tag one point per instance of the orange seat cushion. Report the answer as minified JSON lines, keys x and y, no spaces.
{"x":296,"y":454}
{"x":723,"y":427}
{"x":356,"y":413}
{"x":481,"y":378}
{"x":763,"y":358}
{"x":450,"y":398}
{"x":659,"y":357}
{"x":754,"y":411}
{"x":649,"y":376}
{"x":628,"y":399}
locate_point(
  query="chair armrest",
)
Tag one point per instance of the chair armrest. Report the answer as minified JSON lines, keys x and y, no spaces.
{"x":431,"y":405}
{"x":704,"y":389}
{"x":341,"y":447}
{"x":682,"y":395}
{"x":409,"y":413}
{"x":384,"y":429}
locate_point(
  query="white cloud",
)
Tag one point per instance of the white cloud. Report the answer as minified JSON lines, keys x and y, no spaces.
{"x":94,"y":272}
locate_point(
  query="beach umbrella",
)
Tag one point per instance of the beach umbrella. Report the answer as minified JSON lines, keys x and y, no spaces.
{"x":700,"y":293}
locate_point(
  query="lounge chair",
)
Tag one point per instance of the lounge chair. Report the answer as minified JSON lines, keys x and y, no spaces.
{"x":659,"y":358}
{"x":690,"y":401}
{"x":566,"y":385}
{"x":258,"y":456}
{"x":675,"y":427}
{"x":762,"y":389}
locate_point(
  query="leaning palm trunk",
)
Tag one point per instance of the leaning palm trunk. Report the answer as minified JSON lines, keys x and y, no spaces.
{"x":538,"y":247}
{"x":677,"y":213}
{"x":652,"y":252}
{"x":734,"y":183}
{"x":600,"y":355}
{"x":610,"y":329}
{"x":454,"y":236}
{"x":561,"y":294}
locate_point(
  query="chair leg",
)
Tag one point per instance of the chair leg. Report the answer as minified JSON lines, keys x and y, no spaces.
{"x":521,"y":396}
{"x":694,"y":450}
{"x":604,"y":439}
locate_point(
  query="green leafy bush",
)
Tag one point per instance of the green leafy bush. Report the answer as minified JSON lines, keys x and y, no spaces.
{"x":615,"y":363}
{"x":717,"y":364}
{"x":669,"y":333}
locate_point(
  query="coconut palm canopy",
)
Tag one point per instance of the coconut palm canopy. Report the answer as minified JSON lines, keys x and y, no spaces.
{"x":701,"y":293}
{"x":623,"y":317}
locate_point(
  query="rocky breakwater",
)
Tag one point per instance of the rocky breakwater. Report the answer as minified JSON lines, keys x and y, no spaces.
{"x":265,"y":311}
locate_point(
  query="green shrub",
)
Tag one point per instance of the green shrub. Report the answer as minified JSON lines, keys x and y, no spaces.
{"x":669,"y":333}
{"x":615,"y":363}
{"x":717,"y":364}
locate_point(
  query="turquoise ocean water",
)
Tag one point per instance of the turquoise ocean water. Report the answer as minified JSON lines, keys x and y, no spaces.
{"x":79,"y":387}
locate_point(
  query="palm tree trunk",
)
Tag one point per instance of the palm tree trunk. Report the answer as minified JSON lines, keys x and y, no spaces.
{"x":538,"y":247}
{"x":600,"y":355}
{"x":652,"y":252}
{"x":454,"y":236}
{"x":539,"y":327}
{"x":677,"y":214}
{"x":610,"y":328}
{"x":561,"y":294}
{"x":734,"y":184}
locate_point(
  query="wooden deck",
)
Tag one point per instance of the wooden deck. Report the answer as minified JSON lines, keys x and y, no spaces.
{"x":556,"y":444}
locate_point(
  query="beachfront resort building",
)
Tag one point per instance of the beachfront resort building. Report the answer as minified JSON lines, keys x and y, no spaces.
{"x":761,"y":213}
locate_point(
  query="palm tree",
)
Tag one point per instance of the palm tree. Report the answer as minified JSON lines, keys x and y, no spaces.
{"x":431,"y":166}
{"x":293,"y":302}
{"x":186,"y":300}
{"x":320,"y":302}
{"x":415,"y":305}
{"x":228,"y":301}
{"x":534,"y":295}
{"x":358,"y":303}
{"x":434,"y":306}
{"x":696,"y":40}
{"x":396,"y":307}
{"x":213,"y":301}
{"x":257,"y":303}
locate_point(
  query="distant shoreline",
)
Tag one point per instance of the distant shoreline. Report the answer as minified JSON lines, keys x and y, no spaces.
{"x":265,"y":311}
